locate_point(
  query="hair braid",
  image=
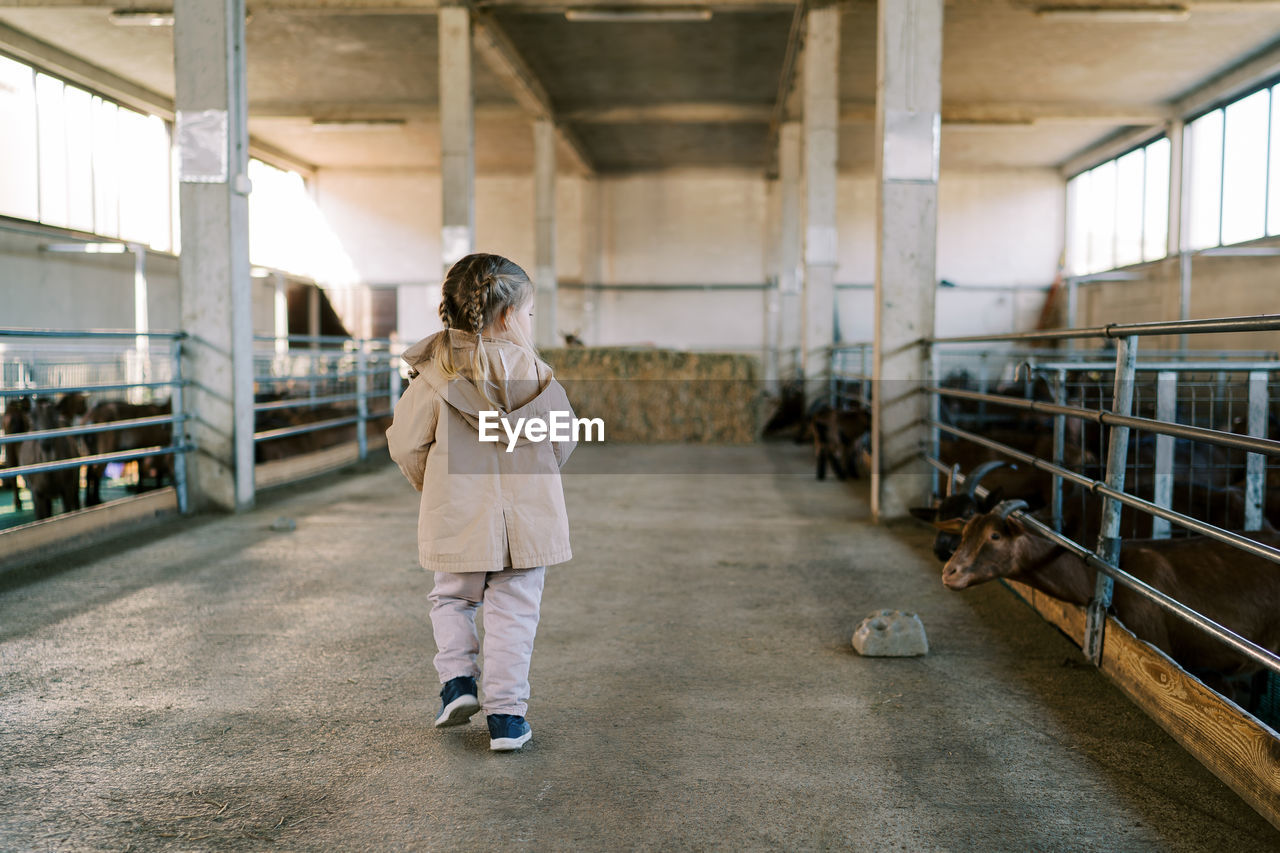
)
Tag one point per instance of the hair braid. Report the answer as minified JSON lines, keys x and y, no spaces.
{"x":479,"y":301}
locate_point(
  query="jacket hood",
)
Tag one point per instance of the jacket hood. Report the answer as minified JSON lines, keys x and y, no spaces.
{"x":517,"y":397}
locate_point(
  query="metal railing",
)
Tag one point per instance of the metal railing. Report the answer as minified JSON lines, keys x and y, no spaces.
{"x":341,"y":380}
{"x":23,"y":379}
{"x":849,"y":375}
{"x":1119,"y":420}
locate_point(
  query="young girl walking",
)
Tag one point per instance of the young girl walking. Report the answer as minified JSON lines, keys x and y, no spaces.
{"x":492,"y":517}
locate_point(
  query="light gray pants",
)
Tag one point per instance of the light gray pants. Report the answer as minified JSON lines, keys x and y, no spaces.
{"x":511,"y":600}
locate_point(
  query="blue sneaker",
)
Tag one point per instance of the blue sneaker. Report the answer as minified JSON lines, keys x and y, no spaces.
{"x":508,"y":732}
{"x":457,"y":701}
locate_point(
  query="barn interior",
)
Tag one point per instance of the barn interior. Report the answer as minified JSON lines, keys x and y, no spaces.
{"x":883,"y":243}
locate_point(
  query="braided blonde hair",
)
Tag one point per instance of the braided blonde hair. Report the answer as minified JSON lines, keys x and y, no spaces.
{"x":478,"y":291}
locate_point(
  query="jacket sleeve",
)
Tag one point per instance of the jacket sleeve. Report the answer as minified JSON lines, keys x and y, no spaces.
{"x":563,"y":449}
{"x":413,"y":430}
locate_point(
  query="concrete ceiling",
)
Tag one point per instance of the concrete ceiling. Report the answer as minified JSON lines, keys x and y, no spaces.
{"x":1019,"y":90}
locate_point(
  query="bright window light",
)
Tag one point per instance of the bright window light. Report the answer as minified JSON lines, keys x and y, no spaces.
{"x":1273,"y":189}
{"x":1130,"y":179}
{"x":1078,"y":224}
{"x":1244,"y":185}
{"x":1119,"y":211}
{"x":19,"y":177}
{"x":106,"y":169}
{"x":1155,"y":236}
{"x":78,"y":111}
{"x":144,"y":207}
{"x":1102,"y":241}
{"x":1204,"y":203}
{"x":51,"y":109}
{"x":288,"y":232}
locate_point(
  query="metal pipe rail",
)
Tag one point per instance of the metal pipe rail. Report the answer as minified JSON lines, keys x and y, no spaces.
{"x":105,"y":334}
{"x":367,"y":358}
{"x":89,"y":429}
{"x":318,"y":377}
{"x":1261,"y":323}
{"x":89,"y":389}
{"x":1101,"y":488}
{"x":97,"y":459}
{"x":1271,"y":366}
{"x":323,"y":339}
{"x":1249,"y":443}
{"x":299,"y":402}
{"x":1120,"y":420}
{"x":1241,"y":644}
{"x":316,"y":426}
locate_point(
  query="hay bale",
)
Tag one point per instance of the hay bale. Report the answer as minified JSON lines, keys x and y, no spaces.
{"x":653,"y":395}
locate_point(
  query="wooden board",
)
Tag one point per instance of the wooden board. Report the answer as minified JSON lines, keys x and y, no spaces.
{"x":1237,"y":747}
{"x":281,"y":471}
{"x":71,"y":530}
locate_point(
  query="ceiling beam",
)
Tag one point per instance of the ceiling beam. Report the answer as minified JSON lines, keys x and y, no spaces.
{"x":500,"y":54}
{"x":372,"y":111}
{"x":1015,"y":114}
{"x":673,"y":113}
{"x":727,"y":112}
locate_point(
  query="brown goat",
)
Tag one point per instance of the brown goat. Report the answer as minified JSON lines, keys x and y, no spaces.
{"x":16,"y":420}
{"x":1236,"y":589}
{"x":63,"y":484}
{"x":133,"y":438}
{"x":835,"y":438}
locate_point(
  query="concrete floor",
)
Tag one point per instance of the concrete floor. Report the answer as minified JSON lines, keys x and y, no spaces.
{"x":227,"y":687}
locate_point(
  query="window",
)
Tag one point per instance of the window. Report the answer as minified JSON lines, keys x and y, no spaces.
{"x":1234,"y":158}
{"x":75,"y":160}
{"x":19,"y":182}
{"x":288,"y":232}
{"x":52,"y":137}
{"x":1118,"y":211}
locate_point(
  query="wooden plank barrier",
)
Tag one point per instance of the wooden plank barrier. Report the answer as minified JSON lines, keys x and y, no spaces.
{"x":67,"y":531}
{"x":1237,"y":747}
{"x":279,"y":472}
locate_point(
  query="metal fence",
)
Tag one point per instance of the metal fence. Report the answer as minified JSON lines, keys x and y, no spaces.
{"x":324,"y":383}
{"x":1149,"y":398}
{"x":39,"y":364}
{"x":304,"y":386}
{"x":849,"y":375}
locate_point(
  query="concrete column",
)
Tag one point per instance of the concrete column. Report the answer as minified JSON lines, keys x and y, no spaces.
{"x":908,"y":104}
{"x":213,"y":145}
{"x":790,"y":242}
{"x":769,"y":307}
{"x":457,"y":136}
{"x":1174,"y":131}
{"x":821,"y":126}
{"x":544,"y":203}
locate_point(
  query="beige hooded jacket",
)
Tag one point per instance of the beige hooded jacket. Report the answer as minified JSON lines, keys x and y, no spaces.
{"x":482,"y":507}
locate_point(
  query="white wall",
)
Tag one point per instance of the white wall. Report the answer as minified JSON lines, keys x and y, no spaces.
{"x":389,"y":225}
{"x":678,"y":228}
{"x":999,"y":240}
{"x":672,"y":230}
{"x":44,"y":290}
